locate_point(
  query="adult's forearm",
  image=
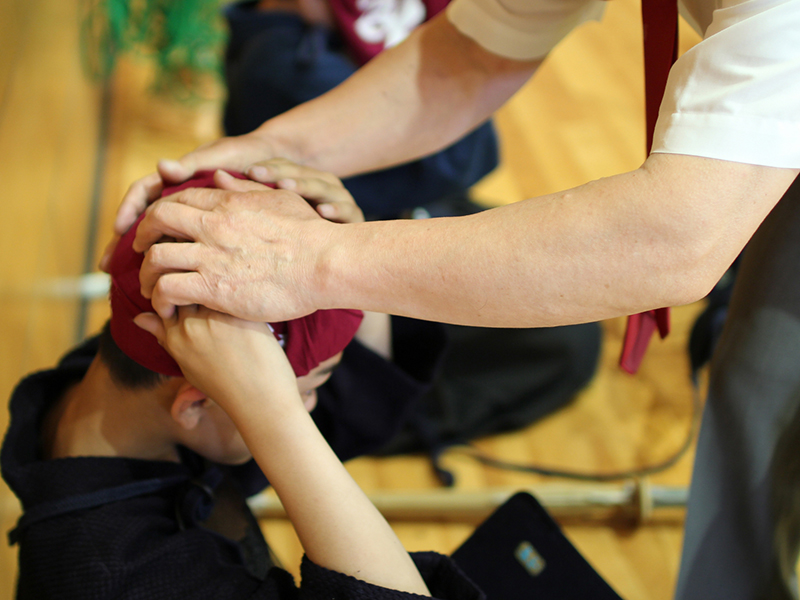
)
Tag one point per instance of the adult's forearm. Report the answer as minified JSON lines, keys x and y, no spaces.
{"x":409,"y":101}
{"x":661,"y":235}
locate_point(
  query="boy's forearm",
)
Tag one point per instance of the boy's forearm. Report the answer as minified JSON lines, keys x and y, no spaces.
{"x":338,"y":526}
{"x":409,"y":101}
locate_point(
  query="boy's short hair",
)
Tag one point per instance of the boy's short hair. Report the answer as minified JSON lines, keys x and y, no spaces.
{"x":124,"y":371}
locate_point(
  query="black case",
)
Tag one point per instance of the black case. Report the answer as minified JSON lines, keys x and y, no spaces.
{"x":520,"y":553}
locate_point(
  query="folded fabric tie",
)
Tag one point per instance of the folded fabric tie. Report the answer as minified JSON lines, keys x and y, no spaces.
{"x":660,"y":25}
{"x":307,"y":341}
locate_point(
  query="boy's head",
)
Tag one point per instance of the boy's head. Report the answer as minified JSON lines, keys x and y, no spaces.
{"x":136,"y":362}
{"x":191,"y":418}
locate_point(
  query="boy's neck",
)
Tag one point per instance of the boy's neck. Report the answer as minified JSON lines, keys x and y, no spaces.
{"x":96,"y":417}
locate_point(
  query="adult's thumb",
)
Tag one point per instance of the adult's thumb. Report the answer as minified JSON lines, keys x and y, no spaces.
{"x":174,"y":171}
{"x":226,"y":181}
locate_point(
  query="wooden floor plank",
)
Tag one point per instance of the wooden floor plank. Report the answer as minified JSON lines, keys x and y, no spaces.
{"x":48,"y":113}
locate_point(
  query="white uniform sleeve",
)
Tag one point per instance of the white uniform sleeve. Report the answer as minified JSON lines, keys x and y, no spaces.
{"x":736,"y":95}
{"x":521,"y":29}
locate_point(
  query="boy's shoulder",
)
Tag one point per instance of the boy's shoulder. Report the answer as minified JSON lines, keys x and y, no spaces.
{"x":84,"y":554}
{"x":129,"y":549}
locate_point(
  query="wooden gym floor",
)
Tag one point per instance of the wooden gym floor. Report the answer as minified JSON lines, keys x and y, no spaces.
{"x":69,"y":148}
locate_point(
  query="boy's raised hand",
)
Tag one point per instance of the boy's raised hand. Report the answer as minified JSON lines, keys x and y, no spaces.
{"x":229,"y":359}
{"x":242,"y":367}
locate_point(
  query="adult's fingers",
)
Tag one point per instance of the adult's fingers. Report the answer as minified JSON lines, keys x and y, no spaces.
{"x":233,"y":153}
{"x":141,"y":193}
{"x":275,"y":169}
{"x":167,"y":258}
{"x":226,"y":181}
{"x":331,"y":200}
{"x":209,"y":198}
{"x":197,"y":198}
{"x":314,"y":188}
{"x":170,"y":219}
{"x":323,"y":190}
{"x":105,"y":260}
{"x":341,"y":212}
{"x":202,"y":198}
{"x":181,"y":169}
{"x":229,"y":152}
{"x":180,"y":289}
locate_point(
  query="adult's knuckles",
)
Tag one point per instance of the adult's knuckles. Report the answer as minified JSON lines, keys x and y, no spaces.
{"x":164,"y":291}
{"x":156,"y":258}
{"x":220,"y":230}
{"x":158,"y":216}
{"x":209,"y":223}
{"x":312,"y":185}
{"x":250,"y":197}
{"x":279,"y":163}
{"x":196,"y":196}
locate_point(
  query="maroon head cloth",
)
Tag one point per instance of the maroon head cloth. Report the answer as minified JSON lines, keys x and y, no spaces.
{"x":307,"y":341}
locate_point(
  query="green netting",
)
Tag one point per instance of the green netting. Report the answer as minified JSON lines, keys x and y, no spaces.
{"x":182,"y":37}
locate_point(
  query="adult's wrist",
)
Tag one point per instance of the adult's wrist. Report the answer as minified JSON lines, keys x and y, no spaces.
{"x":337,"y":267}
{"x":277,"y":145}
{"x":323,"y":260}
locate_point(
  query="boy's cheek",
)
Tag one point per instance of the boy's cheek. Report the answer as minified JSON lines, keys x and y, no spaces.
{"x":237,"y":452}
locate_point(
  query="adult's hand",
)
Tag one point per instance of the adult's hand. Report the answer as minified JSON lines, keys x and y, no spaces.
{"x":233,"y":243}
{"x":324,"y":191}
{"x":233,"y":153}
{"x":397,"y":108}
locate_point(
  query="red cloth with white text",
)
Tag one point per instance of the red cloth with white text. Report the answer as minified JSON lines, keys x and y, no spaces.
{"x":370,"y":26}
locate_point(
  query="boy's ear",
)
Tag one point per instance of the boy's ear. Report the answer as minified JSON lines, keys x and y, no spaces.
{"x":188,"y":406}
